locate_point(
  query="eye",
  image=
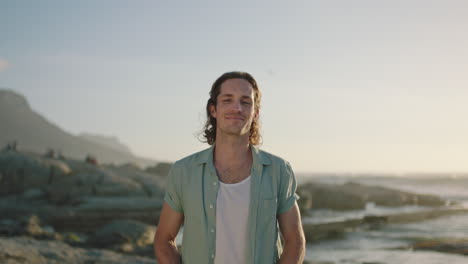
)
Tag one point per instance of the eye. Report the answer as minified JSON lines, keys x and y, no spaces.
{"x":226,"y":100}
{"x":246,"y":103}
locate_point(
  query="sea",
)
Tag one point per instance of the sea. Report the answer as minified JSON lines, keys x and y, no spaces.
{"x":384,"y":245}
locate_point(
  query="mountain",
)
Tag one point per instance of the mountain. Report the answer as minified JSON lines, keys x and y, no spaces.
{"x":33,"y":132}
{"x":109,"y":141}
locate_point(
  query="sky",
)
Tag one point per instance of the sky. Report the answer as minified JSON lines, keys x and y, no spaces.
{"x":348,"y":86}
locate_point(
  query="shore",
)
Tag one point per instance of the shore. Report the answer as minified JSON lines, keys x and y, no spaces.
{"x":69,"y":211}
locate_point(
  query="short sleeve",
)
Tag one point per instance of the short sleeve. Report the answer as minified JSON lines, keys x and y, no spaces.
{"x":287,"y":193}
{"x":173,"y":189}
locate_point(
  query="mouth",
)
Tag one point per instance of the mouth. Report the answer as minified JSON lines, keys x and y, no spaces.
{"x":234,"y":118}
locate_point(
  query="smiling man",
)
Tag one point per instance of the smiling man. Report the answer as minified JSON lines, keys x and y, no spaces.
{"x":232,"y":198}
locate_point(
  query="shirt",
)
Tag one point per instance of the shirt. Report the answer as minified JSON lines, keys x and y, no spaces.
{"x":192,"y":188}
{"x":232,"y":214}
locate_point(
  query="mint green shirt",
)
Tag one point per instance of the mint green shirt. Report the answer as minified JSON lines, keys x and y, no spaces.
{"x":192,"y":189}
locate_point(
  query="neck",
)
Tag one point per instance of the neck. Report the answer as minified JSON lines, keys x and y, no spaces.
{"x":231,"y":151}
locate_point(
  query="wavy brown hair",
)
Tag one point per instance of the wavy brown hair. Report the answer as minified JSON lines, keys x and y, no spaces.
{"x":208,"y":134}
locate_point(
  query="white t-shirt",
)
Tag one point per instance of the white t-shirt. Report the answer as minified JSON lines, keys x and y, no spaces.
{"x":232,"y":213}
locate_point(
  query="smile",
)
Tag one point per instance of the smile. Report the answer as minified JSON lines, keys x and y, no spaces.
{"x":234,"y":118}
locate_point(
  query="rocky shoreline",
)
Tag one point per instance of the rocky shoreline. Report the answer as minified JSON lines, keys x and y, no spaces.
{"x":328,"y":230}
{"x":67,"y":211}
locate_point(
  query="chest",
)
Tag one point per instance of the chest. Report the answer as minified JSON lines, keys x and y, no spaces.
{"x":233,"y":175}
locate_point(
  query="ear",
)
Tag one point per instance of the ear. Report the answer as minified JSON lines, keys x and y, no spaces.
{"x":212,"y":109}
{"x":257,"y":114}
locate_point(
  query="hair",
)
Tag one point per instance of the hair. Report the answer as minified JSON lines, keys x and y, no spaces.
{"x":209,"y":129}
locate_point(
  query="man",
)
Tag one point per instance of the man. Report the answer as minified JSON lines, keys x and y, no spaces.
{"x":231,"y":197}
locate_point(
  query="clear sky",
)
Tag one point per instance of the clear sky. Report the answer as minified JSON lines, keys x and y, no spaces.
{"x":348,"y":86}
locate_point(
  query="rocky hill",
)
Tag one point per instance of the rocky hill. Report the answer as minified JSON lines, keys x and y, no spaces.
{"x":33,"y":132}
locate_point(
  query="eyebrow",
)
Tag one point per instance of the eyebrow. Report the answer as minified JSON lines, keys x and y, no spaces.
{"x":230,"y":95}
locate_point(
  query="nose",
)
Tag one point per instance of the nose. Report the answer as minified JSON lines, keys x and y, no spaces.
{"x":236,"y":106}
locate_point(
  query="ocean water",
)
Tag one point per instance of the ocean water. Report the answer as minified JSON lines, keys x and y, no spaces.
{"x":381,"y":245}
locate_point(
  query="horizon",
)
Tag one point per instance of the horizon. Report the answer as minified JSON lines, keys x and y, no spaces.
{"x":360,"y":87}
{"x":308,"y":174}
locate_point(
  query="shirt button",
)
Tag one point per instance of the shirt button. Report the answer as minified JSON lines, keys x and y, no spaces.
{"x":212,"y":255}
{"x":211,"y":206}
{"x":214,"y":183}
{"x":212,"y":230}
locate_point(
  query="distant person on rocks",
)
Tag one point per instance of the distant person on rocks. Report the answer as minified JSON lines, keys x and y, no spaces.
{"x":232,"y":198}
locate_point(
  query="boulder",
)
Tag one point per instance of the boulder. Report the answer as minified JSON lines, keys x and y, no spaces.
{"x":326,"y":196}
{"x":352,"y":196}
{"x":152,"y":185}
{"x":22,"y":171}
{"x":94,"y":181}
{"x":160,"y":169}
{"x":123,"y":235}
{"x":390,"y":197}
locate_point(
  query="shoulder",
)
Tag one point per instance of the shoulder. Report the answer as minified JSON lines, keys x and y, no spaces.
{"x":274,"y":159}
{"x":193,"y":159}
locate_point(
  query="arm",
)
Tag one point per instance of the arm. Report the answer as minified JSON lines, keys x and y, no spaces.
{"x":165,"y":247}
{"x":294,"y":240}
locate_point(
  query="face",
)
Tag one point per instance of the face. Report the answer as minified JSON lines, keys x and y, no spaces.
{"x":234,"y":110}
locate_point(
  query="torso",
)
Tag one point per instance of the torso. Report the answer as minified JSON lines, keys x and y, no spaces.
{"x":231,"y":174}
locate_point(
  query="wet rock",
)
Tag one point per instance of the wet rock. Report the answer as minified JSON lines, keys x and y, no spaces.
{"x":318,"y":231}
{"x":446,"y":245}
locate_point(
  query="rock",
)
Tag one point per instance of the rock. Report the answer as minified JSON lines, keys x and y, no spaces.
{"x":446,"y":245}
{"x":160,"y":169}
{"x":27,"y":250}
{"x":88,"y":214}
{"x":31,"y":225}
{"x":8,"y":227}
{"x":123,"y":231}
{"x":318,"y":231}
{"x":151,"y":185}
{"x":75,"y":239}
{"x":26,"y":226}
{"x":23,"y":171}
{"x":94,"y":181}
{"x":390,"y":197}
{"x":328,"y":196}
{"x":34,"y":194}
{"x":77,"y":196}
{"x":123,"y":235}
{"x":352,"y":196}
